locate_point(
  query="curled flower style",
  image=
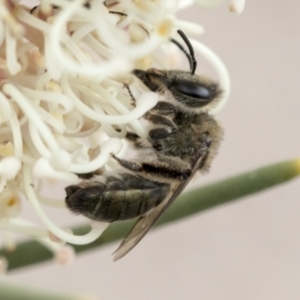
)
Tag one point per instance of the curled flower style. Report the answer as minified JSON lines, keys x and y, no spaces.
{"x":64,"y":102}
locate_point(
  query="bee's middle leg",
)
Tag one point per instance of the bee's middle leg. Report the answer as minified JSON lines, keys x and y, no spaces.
{"x":157,"y":168}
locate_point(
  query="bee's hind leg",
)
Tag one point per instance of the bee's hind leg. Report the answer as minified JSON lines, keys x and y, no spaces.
{"x":128,"y":164}
{"x":177,"y":169}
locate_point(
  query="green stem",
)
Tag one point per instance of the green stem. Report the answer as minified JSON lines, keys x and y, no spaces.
{"x":192,"y":202}
{"x":9,"y":291}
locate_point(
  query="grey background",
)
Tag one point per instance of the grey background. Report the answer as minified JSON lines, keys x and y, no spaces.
{"x":245,"y":250}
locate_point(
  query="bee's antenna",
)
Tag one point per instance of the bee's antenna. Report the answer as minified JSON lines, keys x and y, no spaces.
{"x":190,"y":56}
{"x":184,"y":51}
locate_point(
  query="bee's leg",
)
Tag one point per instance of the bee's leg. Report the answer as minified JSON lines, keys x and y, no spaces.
{"x":162,"y":170}
{"x":156,"y":133}
{"x":85,"y":175}
{"x":126,"y":86}
{"x":90,"y":174}
{"x":128,"y":164}
{"x":160,"y":133}
{"x":133,"y":137}
{"x":159,"y":119}
{"x":175,"y":169}
{"x":164,"y":108}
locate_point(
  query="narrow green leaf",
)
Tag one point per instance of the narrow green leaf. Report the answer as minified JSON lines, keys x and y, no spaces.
{"x":9,"y":291}
{"x":192,"y":202}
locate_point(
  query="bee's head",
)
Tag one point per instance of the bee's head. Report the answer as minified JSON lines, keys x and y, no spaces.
{"x":185,"y":89}
{"x":182,"y":88}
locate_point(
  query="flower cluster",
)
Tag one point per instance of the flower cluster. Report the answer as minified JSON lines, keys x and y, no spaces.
{"x":65,"y":104}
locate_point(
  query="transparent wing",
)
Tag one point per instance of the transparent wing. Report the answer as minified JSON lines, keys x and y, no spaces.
{"x":145,"y":222}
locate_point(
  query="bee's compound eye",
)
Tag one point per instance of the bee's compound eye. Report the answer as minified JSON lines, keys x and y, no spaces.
{"x":193,"y":89}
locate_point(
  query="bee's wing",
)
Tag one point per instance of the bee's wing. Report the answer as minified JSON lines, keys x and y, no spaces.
{"x":145,"y":222}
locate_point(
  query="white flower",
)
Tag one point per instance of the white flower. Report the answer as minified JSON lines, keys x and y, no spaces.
{"x":63,"y":106}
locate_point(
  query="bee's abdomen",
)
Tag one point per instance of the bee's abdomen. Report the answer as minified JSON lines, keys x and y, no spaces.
{"x":120,"y":198}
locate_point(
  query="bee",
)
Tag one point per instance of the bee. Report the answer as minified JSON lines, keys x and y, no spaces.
{"x":183,"y":140}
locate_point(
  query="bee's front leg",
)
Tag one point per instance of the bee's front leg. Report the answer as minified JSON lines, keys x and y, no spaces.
{"x":162,"y":120}
{"x":157,"y":134}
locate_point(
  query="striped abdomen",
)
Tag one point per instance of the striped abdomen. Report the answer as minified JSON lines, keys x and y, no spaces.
{"x":121,"y":198}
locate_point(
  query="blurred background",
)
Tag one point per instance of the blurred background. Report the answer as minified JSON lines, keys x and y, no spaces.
{"x":249,"y":249}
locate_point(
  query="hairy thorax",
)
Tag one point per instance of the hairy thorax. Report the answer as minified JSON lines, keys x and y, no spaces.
{"x":187,"y":139}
